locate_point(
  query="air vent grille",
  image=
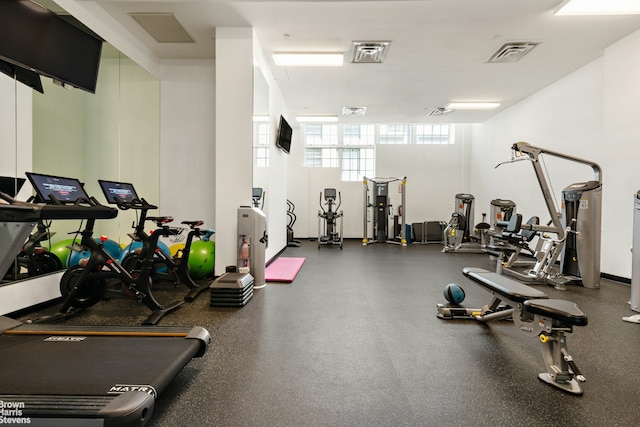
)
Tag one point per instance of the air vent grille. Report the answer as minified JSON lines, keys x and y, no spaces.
{"x":354,"y":111}
{"x":369,"y":52}
{"x":512,"y":52}
{"x":438,"y":111}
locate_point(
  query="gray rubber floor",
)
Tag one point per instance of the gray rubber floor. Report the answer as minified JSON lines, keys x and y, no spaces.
{"x":355,"y":341}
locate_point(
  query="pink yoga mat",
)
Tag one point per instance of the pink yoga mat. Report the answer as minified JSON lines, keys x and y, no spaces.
{"x":283,"y":269}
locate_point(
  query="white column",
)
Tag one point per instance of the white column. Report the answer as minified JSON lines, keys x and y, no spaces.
{"x":233,"y":151}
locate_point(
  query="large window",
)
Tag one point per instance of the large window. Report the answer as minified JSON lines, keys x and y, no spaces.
{"x":261,"y":144}
{"x":321,"y":146}
{"x":321,"y":157}
{"x":395,"y":134}
{"x":321,"y":134}
{"x":351,"y":147}
{"x":359,"y":134}
{"x":434,"y":134}
{"x":357,"y":163}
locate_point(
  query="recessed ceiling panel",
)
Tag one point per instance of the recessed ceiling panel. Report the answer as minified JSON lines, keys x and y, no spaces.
{"x":164,"y":27}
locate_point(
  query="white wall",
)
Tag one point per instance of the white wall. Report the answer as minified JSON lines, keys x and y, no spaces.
{"x":435,"y":174}
{"x":187,"y":140}
{"x":233,"y":138}
{"x":273,"y":179}
{"x":590,"y":114}
{"x":619,"y":150}
{"x":565,"y":117}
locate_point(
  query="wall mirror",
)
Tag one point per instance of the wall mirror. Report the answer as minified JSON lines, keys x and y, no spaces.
{"x":113,"y":134}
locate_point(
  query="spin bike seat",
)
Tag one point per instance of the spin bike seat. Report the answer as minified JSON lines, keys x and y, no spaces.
{"x":160,"y":220}
{"x":193,"y":224}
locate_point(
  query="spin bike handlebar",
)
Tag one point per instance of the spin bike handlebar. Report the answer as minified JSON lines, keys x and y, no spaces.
{"x":138,"y":204}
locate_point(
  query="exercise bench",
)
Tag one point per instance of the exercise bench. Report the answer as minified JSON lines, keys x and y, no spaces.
{"x":532,"y":312}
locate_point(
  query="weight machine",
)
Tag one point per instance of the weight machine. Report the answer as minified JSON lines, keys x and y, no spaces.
{"x":460,"y":235}
{"x":577,"y":226}
{"x":501,"y":210}
{"x":634,"y":301}
{"x":382,"y":211}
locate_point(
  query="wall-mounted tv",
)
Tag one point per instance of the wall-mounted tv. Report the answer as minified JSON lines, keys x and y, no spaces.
{"x":28,"y":77}
{"x":283,"y":140}
{"x":37,"y":39}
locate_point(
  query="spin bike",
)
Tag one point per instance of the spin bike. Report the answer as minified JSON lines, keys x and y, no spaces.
{"x":85,"y":285}
{"x":330,"y":216}
{"x":178,"y":268}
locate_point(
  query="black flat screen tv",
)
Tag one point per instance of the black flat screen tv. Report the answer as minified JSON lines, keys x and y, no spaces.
{"x":283,"y":139}
{"x":11,"y":186}
{"x":28,"y":77}
{"x":37,"y":39}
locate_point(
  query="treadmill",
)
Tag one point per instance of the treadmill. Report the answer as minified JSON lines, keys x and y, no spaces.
{"x":61,"y":375}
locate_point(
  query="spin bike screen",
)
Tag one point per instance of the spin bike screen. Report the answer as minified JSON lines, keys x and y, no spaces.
{"x":114,"y":191}
{"x":64,"y":190}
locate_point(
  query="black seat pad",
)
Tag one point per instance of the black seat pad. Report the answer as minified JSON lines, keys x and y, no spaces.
{"x":510,"y":289}
{"x":558,"y":309}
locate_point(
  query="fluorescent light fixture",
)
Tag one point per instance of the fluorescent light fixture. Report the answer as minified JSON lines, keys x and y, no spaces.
{"x":316,"y":119}
{"x":308,"y":59}
{"x":472,"y":105}
{"x":599,"y":7}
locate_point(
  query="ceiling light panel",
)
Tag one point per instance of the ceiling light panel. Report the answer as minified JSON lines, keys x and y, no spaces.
{"x":372,"y":52}
{"x":472,"y":105}
{"x":163,"y":27}
{"x":293,"y":59}
{"x":599,"y":7}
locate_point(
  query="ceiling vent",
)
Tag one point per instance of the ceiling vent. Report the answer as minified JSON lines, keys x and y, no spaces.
{"x":354,"y":111}
{"x":369,"y":52}
{"x":512,"y":52}
{"x":164,"y":27}
{"x":438,"y":111}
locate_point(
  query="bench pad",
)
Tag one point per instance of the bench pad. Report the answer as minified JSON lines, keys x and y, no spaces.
{"x":557,"y":309}
{"x":508,"y":288}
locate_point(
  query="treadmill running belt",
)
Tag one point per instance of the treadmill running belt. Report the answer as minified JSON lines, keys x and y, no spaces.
{"x":77,"y":365}
{"x":68,"y":377}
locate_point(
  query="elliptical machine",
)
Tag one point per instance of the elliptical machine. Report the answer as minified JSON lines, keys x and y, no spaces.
{"x":329,"y":218}
{"x":291,"y":242}
{"x":257,"y":198}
